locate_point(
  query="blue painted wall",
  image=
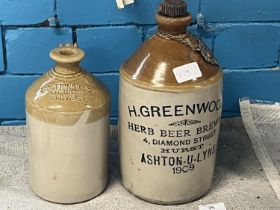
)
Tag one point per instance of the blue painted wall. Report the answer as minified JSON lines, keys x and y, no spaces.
{"x":244,"y":36}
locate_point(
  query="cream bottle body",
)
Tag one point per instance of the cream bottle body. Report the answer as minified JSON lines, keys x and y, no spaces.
{"x":169,"y":129}
{"x":67,"y":114}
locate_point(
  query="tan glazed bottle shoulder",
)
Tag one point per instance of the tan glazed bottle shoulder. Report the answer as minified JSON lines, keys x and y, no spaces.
{"x":151,"y":67}
{"x":63,"y":98}
{"x":93,"y":86}
{"x":94,"y":98}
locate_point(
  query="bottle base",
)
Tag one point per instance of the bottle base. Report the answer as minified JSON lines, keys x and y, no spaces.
{"x":66,"y":201}
{"x":166,"y":203}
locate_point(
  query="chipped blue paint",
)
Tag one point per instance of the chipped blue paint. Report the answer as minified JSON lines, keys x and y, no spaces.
{"x":240,"y":10}
{"x":1,"y":53}
{"x":93,"y":12}
{"x":28,"y":48}
{"x":106,"y":48}
{"x":25,"y":12}
{"x":248,"y":46}
{"x":243,"y":34}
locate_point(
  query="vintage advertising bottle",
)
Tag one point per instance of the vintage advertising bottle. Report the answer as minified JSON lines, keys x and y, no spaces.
{"x":67,"y":112}
{"x":170,"y":108}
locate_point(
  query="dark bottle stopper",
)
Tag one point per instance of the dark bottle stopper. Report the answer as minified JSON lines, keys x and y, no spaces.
{"x":173,"y":8}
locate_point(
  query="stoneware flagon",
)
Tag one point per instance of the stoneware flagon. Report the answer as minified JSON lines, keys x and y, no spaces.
{"x":67,"y":111}
{"x":170,"y":105}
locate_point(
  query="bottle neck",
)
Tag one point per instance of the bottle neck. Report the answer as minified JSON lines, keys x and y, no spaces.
{"x":174,"y":26}
{"x":67,"y":68}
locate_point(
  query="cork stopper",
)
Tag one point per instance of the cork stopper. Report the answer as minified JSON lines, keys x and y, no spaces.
{"x":173,"y":8}
{"x":172,"y":17}
{"x":67,"y":53}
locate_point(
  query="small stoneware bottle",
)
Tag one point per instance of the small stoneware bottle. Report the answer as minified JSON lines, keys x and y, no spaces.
{"x":67,"y":112}
{"x":170,"y":109}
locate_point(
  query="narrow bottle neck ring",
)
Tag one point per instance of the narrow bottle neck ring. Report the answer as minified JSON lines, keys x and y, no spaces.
{"x":67,"y":68}
{"x":172,"y":25}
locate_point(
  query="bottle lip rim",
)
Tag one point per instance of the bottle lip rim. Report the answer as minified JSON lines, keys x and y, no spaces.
{"x":67,"y":54}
